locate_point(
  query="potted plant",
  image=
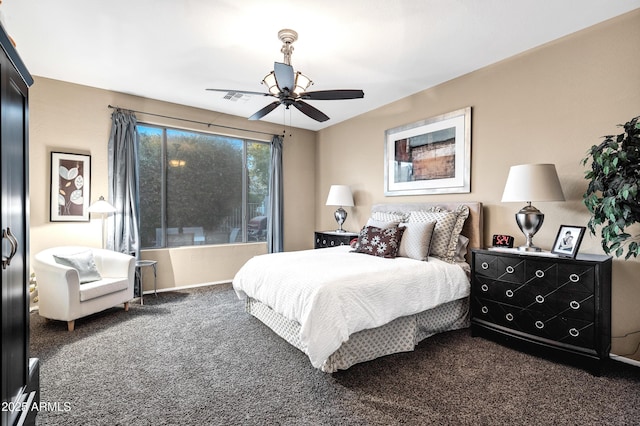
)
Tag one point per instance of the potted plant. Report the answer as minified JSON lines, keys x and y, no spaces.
{"x":614,"y":186}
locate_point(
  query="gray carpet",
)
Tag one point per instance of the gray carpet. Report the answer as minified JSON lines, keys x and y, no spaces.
{"x":195,"y":358}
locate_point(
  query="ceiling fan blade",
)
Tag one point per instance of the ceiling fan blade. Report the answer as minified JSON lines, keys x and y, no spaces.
{"x":327,"y":95}
{"x":264,"y":111}
{"x":310,"y":111}
{"x":284,"y":76}
{"x":246,"y":92}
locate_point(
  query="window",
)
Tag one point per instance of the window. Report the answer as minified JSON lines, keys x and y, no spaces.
{"x":201,"y":188}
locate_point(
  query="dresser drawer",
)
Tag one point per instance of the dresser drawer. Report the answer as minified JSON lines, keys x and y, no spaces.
{"x":502,"y":268}
{"x":536,"y":297}
{"x":545,"y":324}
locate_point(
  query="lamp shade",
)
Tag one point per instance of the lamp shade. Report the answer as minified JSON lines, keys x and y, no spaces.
{"x":339,"y":195}
{"x":533,"y":182}
{"x":101,"y":206}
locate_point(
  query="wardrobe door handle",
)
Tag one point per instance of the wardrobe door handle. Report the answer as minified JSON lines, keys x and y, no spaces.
{"x":13,"y":242}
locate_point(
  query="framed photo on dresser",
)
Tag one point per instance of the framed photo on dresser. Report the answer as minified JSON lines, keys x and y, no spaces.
{"x":568,"y":241}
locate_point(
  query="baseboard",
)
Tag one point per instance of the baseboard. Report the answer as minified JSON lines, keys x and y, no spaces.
{"x":626,"y":360}
{"x":187,"y":287}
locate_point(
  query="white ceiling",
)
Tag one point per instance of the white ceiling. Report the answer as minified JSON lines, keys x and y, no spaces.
{"x":172,"y":50}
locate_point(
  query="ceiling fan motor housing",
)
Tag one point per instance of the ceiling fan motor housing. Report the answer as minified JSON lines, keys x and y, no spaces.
{"x":287,"y":37}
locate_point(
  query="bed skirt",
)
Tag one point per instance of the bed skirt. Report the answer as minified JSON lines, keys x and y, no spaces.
{"x":400,"y":335}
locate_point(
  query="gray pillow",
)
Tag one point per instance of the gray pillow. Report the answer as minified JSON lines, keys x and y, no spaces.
{"x":82,"y":262}
{"x":382,"y":224}
{"x":416,"y":240}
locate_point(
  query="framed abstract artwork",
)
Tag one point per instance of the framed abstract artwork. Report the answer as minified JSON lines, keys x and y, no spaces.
{"x":431,"y":156}
{"x":70,"y":184}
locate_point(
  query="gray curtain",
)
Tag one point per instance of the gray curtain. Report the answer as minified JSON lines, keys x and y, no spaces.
{"x":275,"y":226}
{"x":123,"y":235}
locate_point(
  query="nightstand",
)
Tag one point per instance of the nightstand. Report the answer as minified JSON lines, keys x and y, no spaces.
{"x":551,"y":305}
{"x":332,"y":238}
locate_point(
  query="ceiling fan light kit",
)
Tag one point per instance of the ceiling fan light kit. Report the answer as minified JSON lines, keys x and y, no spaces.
{"x":290,"y":87}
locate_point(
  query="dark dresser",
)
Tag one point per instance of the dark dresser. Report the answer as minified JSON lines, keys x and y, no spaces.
{"x":332,"y":238}
{"x":551,"y":305}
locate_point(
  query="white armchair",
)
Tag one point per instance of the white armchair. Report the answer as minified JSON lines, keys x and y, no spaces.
{"x":60,"y":292}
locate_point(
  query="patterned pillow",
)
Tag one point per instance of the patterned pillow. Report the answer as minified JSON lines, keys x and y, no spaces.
{"x":448,"y":227}
{"x":379,"y":242}
{"x":416,"y":240}
{"x":390,"y":216}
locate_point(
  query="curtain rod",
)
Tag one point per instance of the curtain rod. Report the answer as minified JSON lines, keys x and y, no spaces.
{"x":193,"y":121}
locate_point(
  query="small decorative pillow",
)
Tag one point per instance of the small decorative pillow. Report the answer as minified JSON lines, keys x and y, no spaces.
{"x":379,"y":242}
{"x":82,"y":262}
{"x":416,"y":240}
{"x":448,"y":227}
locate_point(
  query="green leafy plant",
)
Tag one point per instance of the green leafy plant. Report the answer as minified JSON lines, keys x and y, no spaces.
{"x":612,"y":194}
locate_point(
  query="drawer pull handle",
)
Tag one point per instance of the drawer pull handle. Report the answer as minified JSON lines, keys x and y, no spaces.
{"x":539,"y":273}
{"x":485,"y":310}
{"x":509,"y":293}
{"x":510,"y":269}
{"x":574,"y":305}
{"x":574,"y":332}
{"x":540,"y":299}
{"x":484,"y":287}
{"x":574,"y":278}
{"x":539,"y":325}
{"x":485,"y":265}
{"x":509,"y":316}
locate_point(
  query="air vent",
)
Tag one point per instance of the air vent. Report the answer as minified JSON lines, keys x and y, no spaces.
{"x":233,"y":96}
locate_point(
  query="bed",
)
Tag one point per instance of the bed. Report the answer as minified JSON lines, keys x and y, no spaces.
{"x":341,"y":308}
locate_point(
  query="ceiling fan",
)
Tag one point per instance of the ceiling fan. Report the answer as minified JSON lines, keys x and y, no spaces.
{"x":290,"y":87}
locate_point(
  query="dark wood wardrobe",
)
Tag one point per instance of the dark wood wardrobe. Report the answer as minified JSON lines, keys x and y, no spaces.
{"x":20,"y":373}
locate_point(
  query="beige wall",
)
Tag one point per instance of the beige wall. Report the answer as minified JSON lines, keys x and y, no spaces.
{"x":546,"y":105}
{"x":549,"y":104}
{"x":73,"y":118}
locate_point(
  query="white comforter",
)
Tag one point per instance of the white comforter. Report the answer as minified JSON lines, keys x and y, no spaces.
{"x":333,"y":293}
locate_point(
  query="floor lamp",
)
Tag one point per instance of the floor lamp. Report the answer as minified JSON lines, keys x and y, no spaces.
{"x":103,"y":207}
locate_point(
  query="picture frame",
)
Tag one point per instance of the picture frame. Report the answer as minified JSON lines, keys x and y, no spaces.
{"x":568,"y":240}
{"x":431,"y":156}
{"x":70,"y":187}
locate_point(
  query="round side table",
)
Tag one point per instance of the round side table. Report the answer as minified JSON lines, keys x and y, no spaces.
{"x":146,"y":263}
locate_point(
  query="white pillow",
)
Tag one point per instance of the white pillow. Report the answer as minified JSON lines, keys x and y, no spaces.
{"x":82,"y":262}
{"x":416,"y":240}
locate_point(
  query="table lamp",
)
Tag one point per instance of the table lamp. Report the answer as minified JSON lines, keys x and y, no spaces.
{"x":532,"y":182}
{"x":340,"y":195}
